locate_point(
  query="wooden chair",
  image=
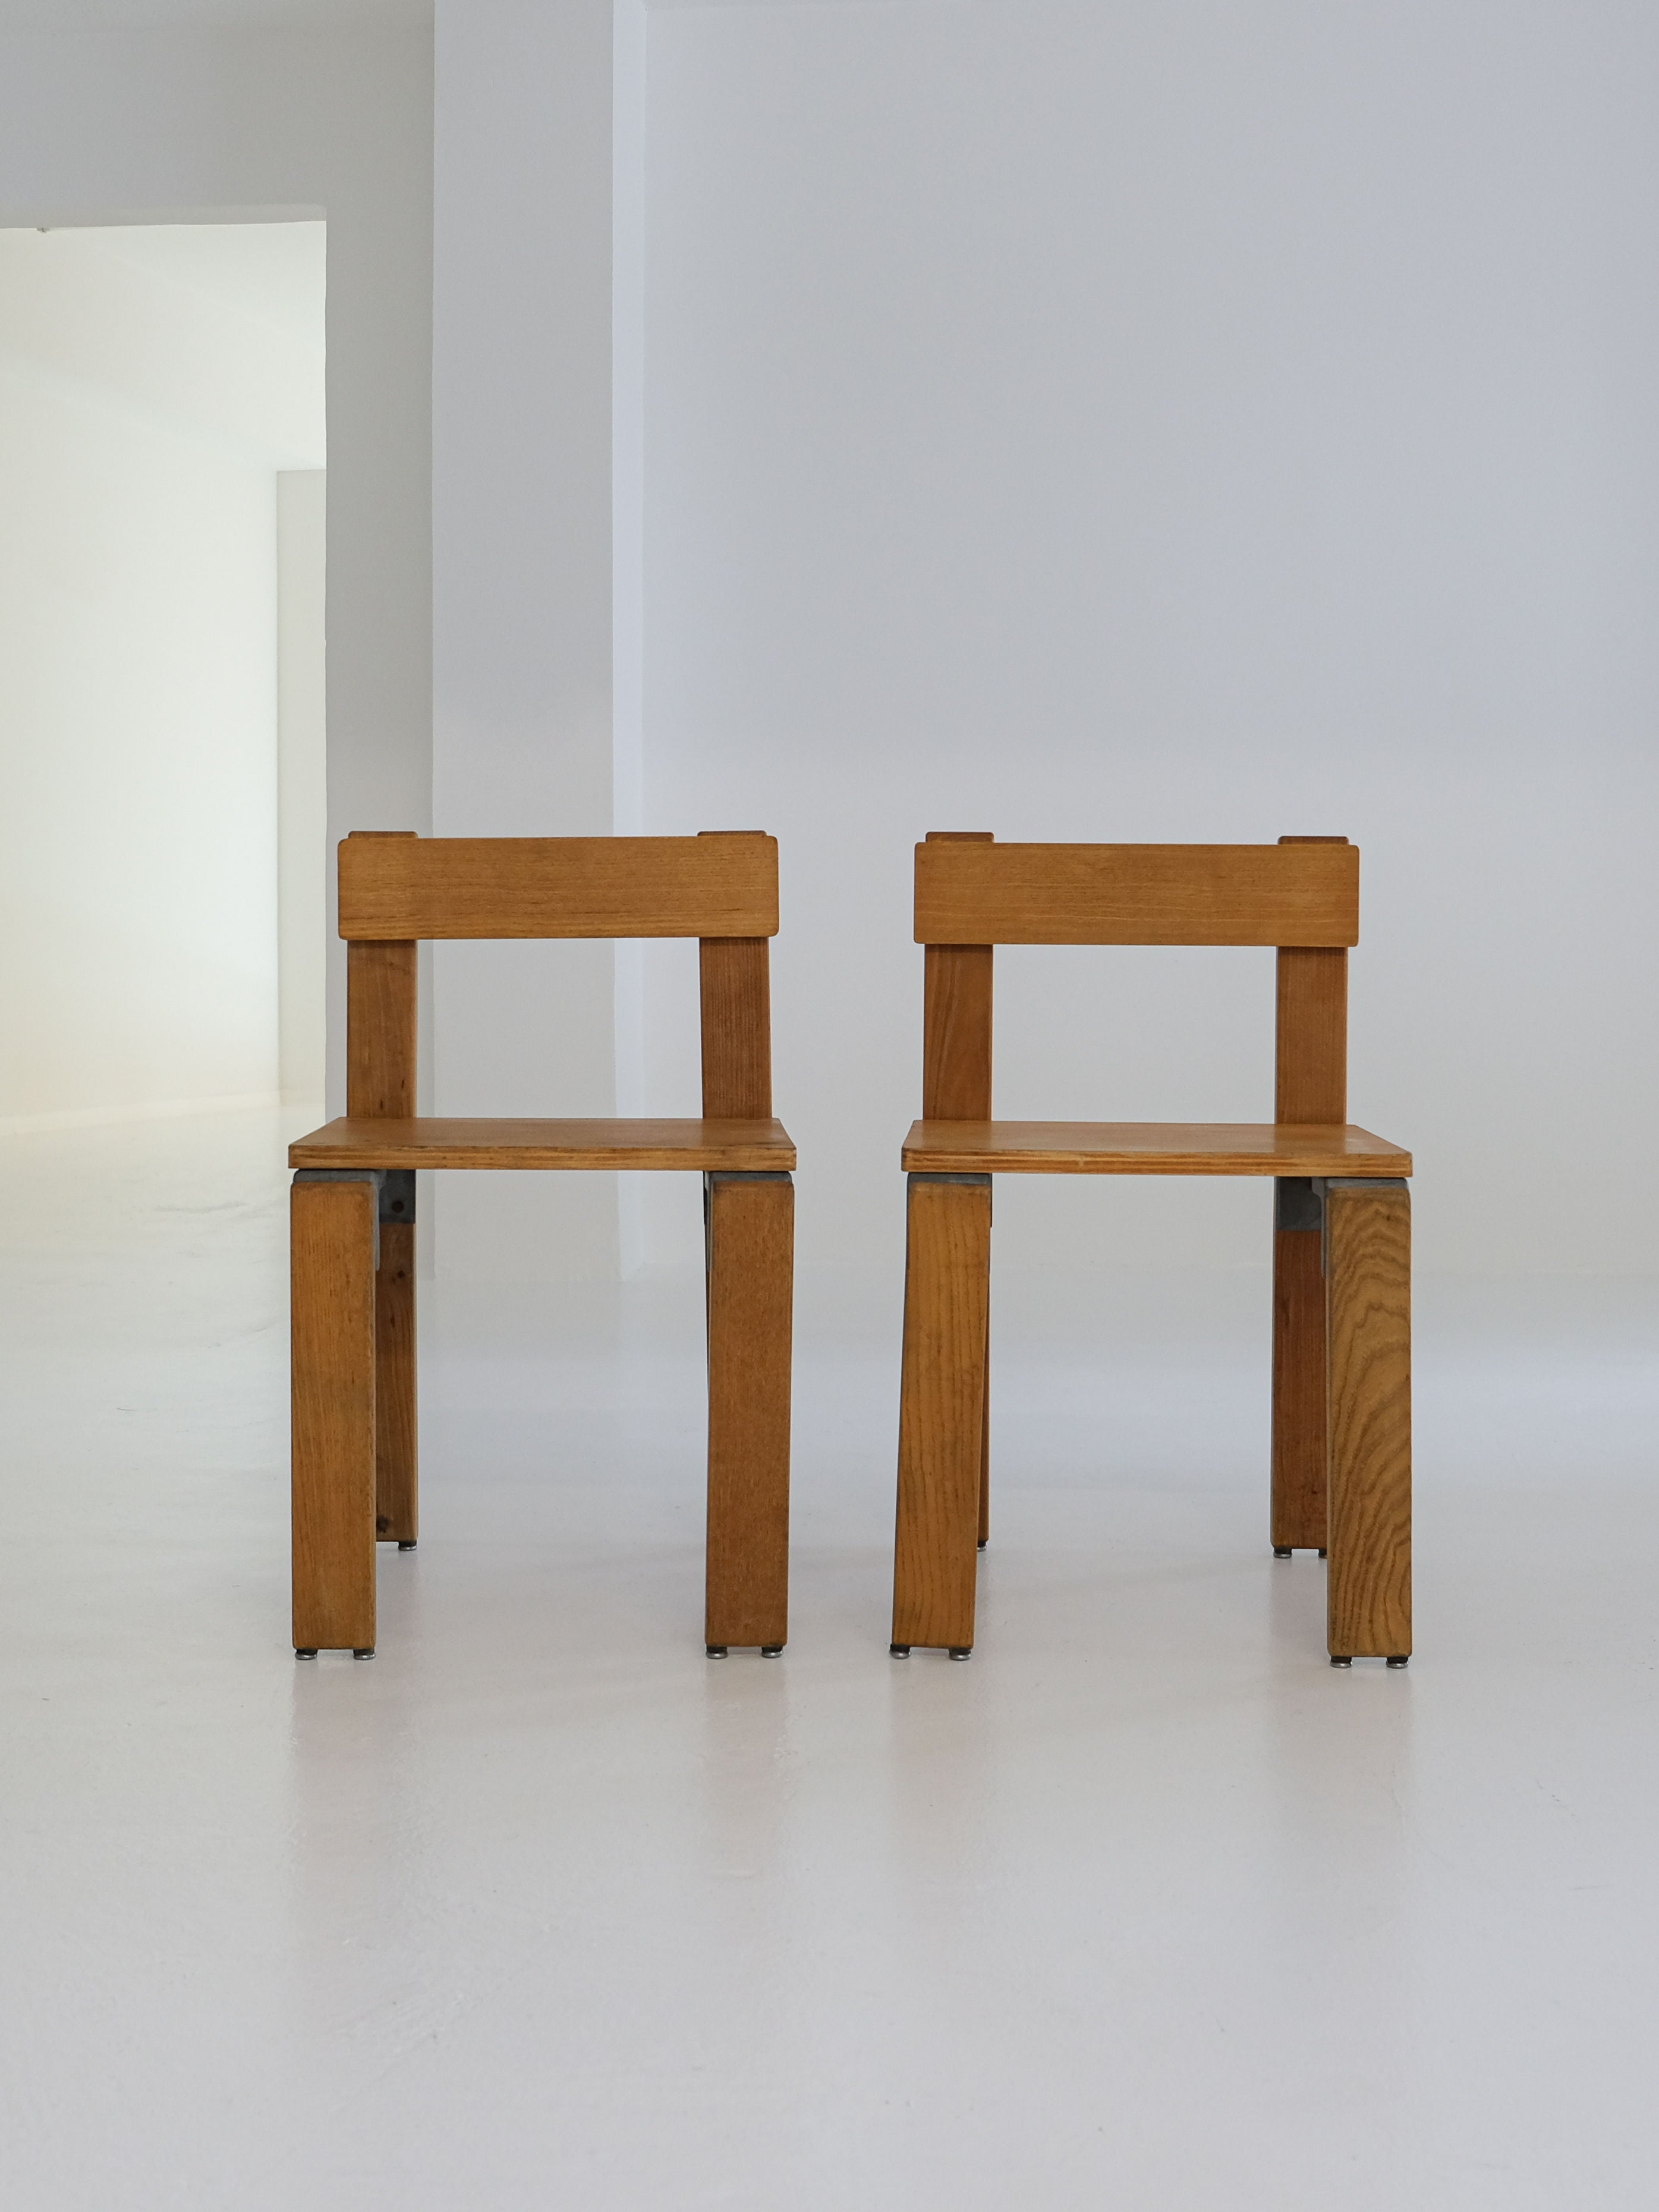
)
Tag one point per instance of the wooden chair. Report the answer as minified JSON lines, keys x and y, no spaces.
{"x":1342,"y":1397}
{"x":353,"y":1198}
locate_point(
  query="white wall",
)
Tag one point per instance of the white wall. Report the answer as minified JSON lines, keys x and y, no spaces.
{"x":145,"y":412}
{"x":1192,"y":422}
{"x":137,"y":762}
{"x":119,"y":126}
{"x":304,"y":855}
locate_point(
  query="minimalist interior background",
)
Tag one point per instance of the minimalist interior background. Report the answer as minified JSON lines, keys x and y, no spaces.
{"x":159,"y":111}
{"x":156,"y":380}
{"x":1070,"y":421}
{"x":1189,"y":422}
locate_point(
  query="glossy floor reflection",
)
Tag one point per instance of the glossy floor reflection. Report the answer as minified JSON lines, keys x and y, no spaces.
{"x":1144,"y":1907}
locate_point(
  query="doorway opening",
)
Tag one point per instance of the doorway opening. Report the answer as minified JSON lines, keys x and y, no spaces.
{"x":162,"y":764}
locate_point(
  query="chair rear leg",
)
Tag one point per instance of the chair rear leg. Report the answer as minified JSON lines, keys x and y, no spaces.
{"x":397,"y":1498}
{"x":1368,"y":1263}
{"x":1300,"y":1424}
{"x":750,"y":1244}
{"x":985,"y":1445}
{"x":942,"y":1411}
{"x":333,"y":1240}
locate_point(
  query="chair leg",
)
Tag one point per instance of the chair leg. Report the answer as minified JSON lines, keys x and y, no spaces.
{"x":751,"y":1254}
{"x":331,"y":1243}
{"x":397,"y":1498}
{"x":1300,"y":1420}
{"x":985,"y":1445}
{"x":1368,"y":1263}
{"x":942,"y":1410}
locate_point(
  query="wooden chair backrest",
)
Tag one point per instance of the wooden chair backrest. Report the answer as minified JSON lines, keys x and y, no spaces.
{"x":1301,"y":896}
{"x":396,"y":888}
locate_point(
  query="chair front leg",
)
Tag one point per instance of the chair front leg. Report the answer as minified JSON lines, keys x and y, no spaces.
{"x":751,"y":1247}
{"x":942,"y":1402}
{"x":1368,"y":1266}
{"x":332,"y":1253}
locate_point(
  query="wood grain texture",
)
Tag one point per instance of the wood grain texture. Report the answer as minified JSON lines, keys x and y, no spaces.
{"x":332,"y":1233}
{"x":942,"y":1410}
{"x":1311,"y":1041}
{"x":1368,"y":1263}
{"x":972,"y":893}
{"x":397,"y":1502}
{"x":1298,"y":1519}
{"x":428,"y":887}
{"x":758,"y":1147}
{"x":380,"y":1022}
{"x":737,"y":1028}
{"x":956,"y":1033}
{"x":751,"y":1243}
{"x":1225,"y":1148}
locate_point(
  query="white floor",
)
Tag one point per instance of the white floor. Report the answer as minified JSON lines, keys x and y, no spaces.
{"x":1146,"y":1906}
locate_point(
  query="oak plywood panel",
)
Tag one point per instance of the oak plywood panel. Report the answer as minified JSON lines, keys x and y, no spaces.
{"x":974,"y":893}
{"x":956,"y":1049}
{"x":380,"y":1024}
{"x":737,"y":1028}
{"x":1223,"y":1148}
{"x":331,"y":1246}
{"x":452,"y":887}
{"x":437,"y":1141}
{"x":1311,"y":1043}
{"x":1368,"y":1258}
{"x":941,"y":1410}
{"x":752,"y":1231}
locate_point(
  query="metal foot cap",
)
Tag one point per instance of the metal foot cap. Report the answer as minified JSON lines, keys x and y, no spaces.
{"x":366,"y":1652}
{"x":715,"y":1650}
{"x":770,"y":1650}
{"x":409,"y":1547}
{"x":1400,"y":1659}
{"x":1281,"y":1550}
{"x":983,"y":1542}
{"x":1321,"y":1551}
{"x":1335,"y":1662}
{"x":961,"y":1651}
{"x":299,"y":1654}
{"x":899,"y":1651}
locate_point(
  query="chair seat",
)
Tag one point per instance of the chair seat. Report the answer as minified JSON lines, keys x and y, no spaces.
{"x":736,"y":1147}
{"x":1213,"y":1148}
